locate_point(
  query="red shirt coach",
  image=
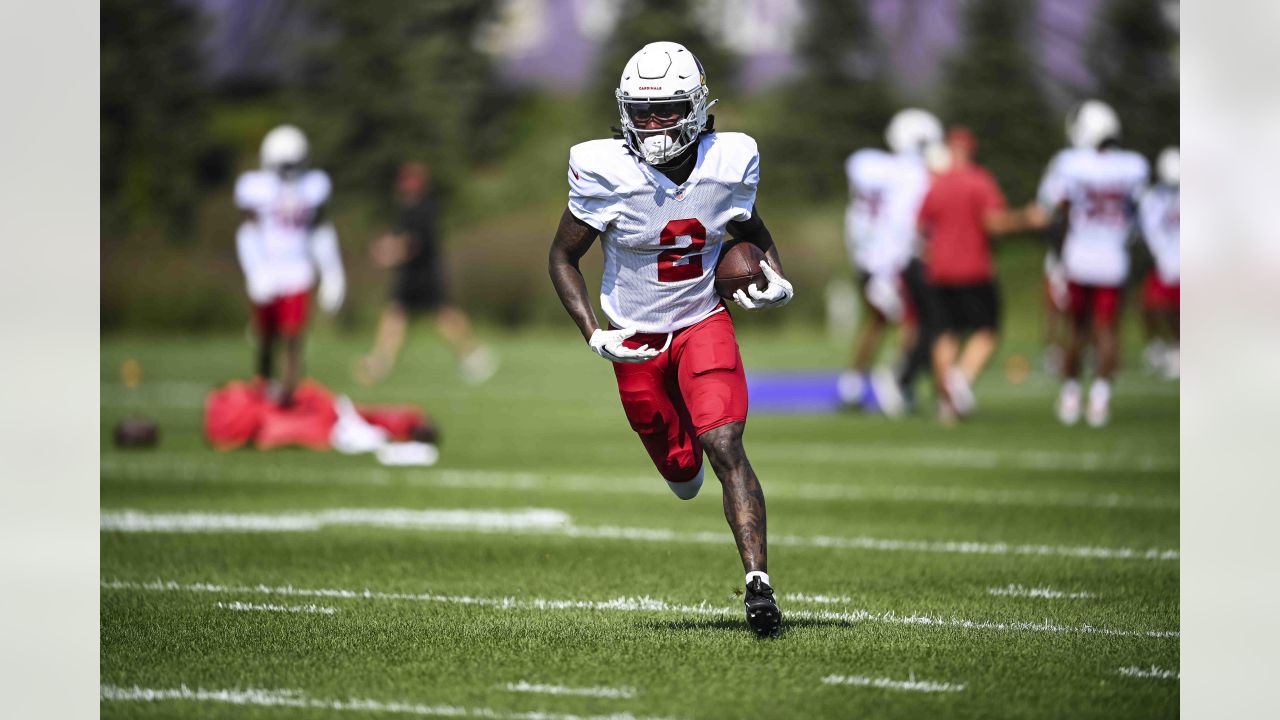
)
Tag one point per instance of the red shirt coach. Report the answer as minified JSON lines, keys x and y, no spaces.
{"x":957,"y":253}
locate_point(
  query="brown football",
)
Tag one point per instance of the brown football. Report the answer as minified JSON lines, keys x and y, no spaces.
{"x":137,"y":432}
{"x":739,"y":267}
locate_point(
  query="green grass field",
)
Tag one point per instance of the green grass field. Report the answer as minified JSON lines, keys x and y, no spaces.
{"x":1008,"y":567}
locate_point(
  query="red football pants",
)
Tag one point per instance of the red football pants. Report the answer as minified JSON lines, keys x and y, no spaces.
{"x":696,"y":385}
{"x":285,"y":315}
{"x":1096,"y":302}
{"x":1157,"y":296}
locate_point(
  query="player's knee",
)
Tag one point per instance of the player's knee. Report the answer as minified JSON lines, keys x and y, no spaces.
{"x":723,"y":444}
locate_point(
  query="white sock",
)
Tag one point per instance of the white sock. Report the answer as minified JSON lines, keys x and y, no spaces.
{"x":1100,"y":392}
{"x":757,"y":574}
{"x":688,"y":489}
{"x":1071,"y":385}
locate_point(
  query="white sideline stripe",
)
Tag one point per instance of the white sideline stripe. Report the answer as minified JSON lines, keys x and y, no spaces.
{"x":1038,"y":592}
{"x":268,"y":607}
{"x":600,"y":692}
{"x":1151,"y":672}
{"x":298,"y":699}
{"x":481,"y":520}
{"x":927,"y":686}
{"x":534,"y":521}
{"x":630,"y":604}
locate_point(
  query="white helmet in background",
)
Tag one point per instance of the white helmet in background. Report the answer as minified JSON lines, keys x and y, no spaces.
{"x":664,"y":81}
{"x":1169,"y":166}
{"x":912,"y":131}
{"x":1091,"y":123}
{"x":284,"y":146}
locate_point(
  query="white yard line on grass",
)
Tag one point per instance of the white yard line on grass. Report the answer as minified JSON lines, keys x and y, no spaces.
{"x":1154,"y":672}
{"x":533,"y":521}
{"x":598,"y":692}
{"x":192,"y":470}
{"x":297,"y":699}
{"x":912,"y":684}
{"x":953,"y":457}
{"x":818,"y":599}
{"x":479,"y":520}
{"x":268,"y":607}
{"x":1021,"y":591}
{"x":632,"y":604}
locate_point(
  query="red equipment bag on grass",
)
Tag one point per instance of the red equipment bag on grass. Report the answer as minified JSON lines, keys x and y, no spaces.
{"x":240,"y":413}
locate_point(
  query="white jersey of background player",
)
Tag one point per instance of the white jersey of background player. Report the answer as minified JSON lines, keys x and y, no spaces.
{"x":284,"y":239}
{"x":646,"y":221}
{"x":885,"y":192}
{"x":1159,"y":214}
{"x":1101,"y":186}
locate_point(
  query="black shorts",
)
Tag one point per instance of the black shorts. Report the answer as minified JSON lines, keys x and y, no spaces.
{"x":420,"y":288}
{"x":964,"y":308}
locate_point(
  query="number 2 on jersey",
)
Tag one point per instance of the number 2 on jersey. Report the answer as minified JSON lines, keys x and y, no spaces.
{"x":684,"y":263}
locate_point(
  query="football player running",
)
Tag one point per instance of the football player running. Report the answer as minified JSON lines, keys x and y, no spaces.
{"x":885,"y":192}
{"x":282,"y":240}
{"x":1095,"y":184}
{"x":663,"y":197}
{"x":1159,"y":215}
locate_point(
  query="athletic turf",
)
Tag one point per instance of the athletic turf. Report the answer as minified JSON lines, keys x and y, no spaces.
{"x":1007,"y":567}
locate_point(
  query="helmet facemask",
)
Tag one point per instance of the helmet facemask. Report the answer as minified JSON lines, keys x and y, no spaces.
{"x":659,"y":129}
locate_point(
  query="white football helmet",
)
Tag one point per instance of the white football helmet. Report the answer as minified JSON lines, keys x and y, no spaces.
{"x":663,"y":85}
{"x":1168,"y":166}
{"x":282,"y":147}
{"x":1091,"y":123}
{"x":912,"y":130}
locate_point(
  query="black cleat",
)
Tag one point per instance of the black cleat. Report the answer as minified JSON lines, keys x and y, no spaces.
{"x":763,"y":614}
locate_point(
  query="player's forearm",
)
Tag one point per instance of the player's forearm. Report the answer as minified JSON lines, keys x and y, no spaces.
{"x":573,"y":239}
{"x":754,"y":231}
{"x":571,"y":287}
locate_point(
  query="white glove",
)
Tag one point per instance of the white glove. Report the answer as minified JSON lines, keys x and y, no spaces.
{"x":259,"y":286}
{"x":776,"y":294}
{"x":882,"y":293}
{"x":333,"y":289}
{"x":608,"y":345}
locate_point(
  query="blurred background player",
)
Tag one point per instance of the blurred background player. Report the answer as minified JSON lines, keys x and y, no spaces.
{"x":1094,"y":184}
{"x":962,"y":209}
{"x":663,"y":198}
{"x":1159,"y":219}
{"x":283,"y":239}
{"x":413,"y":251}
{"x":885,"y":191}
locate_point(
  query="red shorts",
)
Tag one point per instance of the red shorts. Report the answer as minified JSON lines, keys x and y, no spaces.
{"x":696,"y":385}
{"x":1156,"y":295}
{"x":285,"y":315}
{"x":1100,"y":303}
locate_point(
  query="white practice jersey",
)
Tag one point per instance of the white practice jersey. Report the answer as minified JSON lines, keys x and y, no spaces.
{"x":662,"y":241}
{"x":1159,"y":214}
{"x":285,"y":211}
{"x":885,"y":193}
{"x":1102,"y":187}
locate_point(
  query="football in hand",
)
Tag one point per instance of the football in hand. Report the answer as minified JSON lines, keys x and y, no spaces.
{"x":739,"y":267}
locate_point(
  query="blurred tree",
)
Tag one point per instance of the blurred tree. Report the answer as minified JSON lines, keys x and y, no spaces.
{"x":392,"y":81}
{"x":153,"y":111}
{"x":991,"y":85}
{"x":639,"y":24}
{"x":840,"y":103}
{"x":1131,"y":55}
